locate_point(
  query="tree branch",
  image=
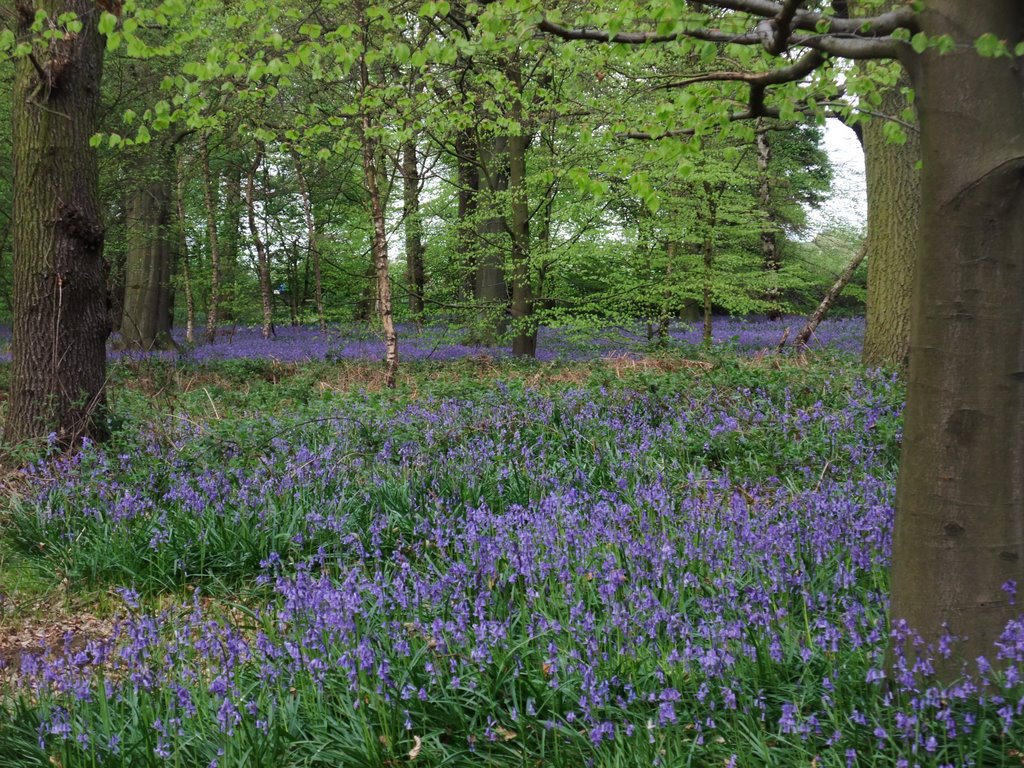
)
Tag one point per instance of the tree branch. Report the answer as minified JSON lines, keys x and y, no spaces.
{"x":642,"y":38}
{"x":863,"y":38}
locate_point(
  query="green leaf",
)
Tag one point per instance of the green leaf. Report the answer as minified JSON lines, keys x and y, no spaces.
{"x":107,"y":23}
{"x":990,"y":46}
{"x":894,"y":133}
{"x":919,"y":42}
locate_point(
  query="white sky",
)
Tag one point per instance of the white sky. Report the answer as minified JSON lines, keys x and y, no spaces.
{"x":848,"y":204}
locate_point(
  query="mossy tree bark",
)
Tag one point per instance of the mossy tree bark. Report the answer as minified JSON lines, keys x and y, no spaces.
{"x":59,"y":302}
{"x":894,"y":206}
{"x":959,"y":528}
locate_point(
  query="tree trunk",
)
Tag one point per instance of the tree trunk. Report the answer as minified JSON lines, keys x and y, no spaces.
{"x":524,"y":338}
{"x":380,"y":235}
{"x":769,"y":233}
{"x":491,"y":290}
{"x":413,"y":229}
{"x":828,"y":300}
{"x":213,"y":310}
{"x":469,"y":187}
{"x":60,"y":323}
{"x":186,"y":274}
{"x":229,"y":232}
{"x":147,"y":317}
{"x":959,"y":530}
{"x":894,"y":205}
{"x":311,"y":242}
{"x":262,"y":258}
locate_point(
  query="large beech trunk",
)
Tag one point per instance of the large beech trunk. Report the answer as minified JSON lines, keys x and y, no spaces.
{"x":59,"y":302}
{"x":959,"y":531}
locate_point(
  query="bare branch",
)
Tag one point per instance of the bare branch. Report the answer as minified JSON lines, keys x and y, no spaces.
{"x":870,"y":26}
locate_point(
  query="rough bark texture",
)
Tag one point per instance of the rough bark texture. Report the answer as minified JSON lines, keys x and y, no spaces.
{"x":413,"y":223}
{"x":61,"y":323}
{"x":959,"y":530}
{"x":894,"y":195}
{"x":147,"y":317}
{"x":213,"y":310}
{"x":262,"y":257}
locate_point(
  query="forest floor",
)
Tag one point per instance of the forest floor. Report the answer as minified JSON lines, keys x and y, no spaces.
{"x":634,"y":556}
